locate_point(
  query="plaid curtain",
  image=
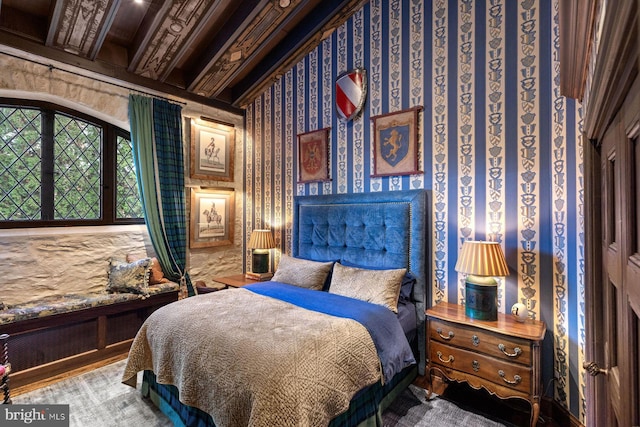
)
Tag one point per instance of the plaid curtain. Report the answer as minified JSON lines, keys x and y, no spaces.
{"x":156,"y":135}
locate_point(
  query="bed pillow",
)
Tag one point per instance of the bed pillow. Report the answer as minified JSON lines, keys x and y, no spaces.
{"x":375,"y":286}
{"x":129,"y":277}
{"x":156,"y":276}
{"x":408,"y":281}
{"x":302,"y":272}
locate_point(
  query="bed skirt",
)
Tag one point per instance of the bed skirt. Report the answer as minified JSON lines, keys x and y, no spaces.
{"x":365,"y":409}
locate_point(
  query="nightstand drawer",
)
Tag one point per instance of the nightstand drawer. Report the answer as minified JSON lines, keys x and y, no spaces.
{"x":501,"y":346}
{"x":500,"y":372}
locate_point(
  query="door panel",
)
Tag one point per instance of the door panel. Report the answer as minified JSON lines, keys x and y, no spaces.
{"x":612,"y":269}
{"x":631,"y":282}
{"x":621,"y":262}
{"x":635,"y":366}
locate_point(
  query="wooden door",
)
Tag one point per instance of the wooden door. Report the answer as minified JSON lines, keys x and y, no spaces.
{"x":620,"y":162}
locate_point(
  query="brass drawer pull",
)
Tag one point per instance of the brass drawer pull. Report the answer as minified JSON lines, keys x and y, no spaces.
{"x":516,"y":351}
{"x":516,"y":378}
{"x":475,"y":365}
{"x":450,"y":360}
{"x":447,"y":338}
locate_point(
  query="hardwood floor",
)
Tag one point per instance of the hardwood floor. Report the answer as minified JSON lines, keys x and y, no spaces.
{"x":30,"y":387}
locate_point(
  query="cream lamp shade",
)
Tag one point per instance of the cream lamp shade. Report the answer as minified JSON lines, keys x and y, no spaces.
{"x":260,"y":242}
{"x":481,"y":261}
{"x":261,"y":239}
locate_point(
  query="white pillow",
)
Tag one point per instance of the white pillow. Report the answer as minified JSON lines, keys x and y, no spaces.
{"x":380,"y":287}
{"x":302,"y":272}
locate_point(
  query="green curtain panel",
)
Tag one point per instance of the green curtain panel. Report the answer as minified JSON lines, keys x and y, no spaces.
{"x":156,"y":135}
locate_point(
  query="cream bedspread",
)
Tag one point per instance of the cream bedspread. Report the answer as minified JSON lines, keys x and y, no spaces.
{"x":251,"y":360}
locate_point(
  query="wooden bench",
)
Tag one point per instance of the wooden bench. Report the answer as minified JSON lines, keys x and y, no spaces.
{"x":55,"y":335}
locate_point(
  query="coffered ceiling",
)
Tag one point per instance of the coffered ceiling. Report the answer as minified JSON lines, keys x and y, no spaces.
{"x":218,"y":52}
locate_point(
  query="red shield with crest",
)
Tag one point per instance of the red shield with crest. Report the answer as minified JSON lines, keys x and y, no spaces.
{"x":351,"y":92}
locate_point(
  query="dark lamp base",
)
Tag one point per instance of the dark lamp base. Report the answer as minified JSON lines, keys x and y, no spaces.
{"x":481,"y":301}
{"x":260,"y":263}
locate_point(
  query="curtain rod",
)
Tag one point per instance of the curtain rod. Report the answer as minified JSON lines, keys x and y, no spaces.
{"x":52,"y":67}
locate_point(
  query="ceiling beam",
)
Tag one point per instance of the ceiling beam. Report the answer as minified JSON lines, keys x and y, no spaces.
{"x":233,"y":27}
{"x":110,"y":71}
{"x":190,"y":41}
{"x":295,"y":47}
{"x":80,"y":27}
{"x":101,"y":35}
{"x":156,"y":14}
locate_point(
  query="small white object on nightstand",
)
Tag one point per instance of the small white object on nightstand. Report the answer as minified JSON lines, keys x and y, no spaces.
{"x":520,"y":312}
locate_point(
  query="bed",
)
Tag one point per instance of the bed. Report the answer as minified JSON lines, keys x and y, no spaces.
{"x":310,"y":356}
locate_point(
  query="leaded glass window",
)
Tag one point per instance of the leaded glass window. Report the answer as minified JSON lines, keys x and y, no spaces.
{"x":60,"y":167}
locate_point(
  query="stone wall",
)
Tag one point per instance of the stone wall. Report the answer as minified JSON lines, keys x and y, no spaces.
{"x":35,"y":262}
{"x":54,"y":261}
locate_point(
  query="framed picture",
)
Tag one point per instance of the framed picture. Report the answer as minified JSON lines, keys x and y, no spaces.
{"x":212,"y":150}
{"x":313,"y":156}
{"x":395,"y":145}
{"x":212,"y":217}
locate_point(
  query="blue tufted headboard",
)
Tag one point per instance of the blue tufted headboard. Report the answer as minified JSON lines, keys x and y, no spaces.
{"x":388,"y":230}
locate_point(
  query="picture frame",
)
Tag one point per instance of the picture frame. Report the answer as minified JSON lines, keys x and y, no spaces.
{"x":212,"y":151}
{"x":395,"y":145}
{"x":313,"y":156}
{"x":212,"y":217}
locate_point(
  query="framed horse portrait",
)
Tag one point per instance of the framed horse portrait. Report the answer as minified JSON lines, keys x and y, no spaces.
{"x":395,"y":147}
{"x":212,"y":150}
{"x":212,"y":217}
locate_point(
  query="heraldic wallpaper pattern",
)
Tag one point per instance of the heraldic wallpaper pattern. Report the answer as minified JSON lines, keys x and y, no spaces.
{"x":498,"y":146}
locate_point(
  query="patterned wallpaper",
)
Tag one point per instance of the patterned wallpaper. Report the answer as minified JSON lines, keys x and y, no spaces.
{"x":498,"y":146}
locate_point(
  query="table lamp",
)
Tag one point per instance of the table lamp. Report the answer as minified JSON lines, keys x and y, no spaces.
{"x":481,"y":261}
{"x":260,"y":242}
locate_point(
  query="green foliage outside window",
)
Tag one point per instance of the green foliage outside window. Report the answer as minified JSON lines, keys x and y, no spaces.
{"x":20,"y":163}
{"x":60,"y":169}
{"x":129,"y":205}
{"x":77,"y":169}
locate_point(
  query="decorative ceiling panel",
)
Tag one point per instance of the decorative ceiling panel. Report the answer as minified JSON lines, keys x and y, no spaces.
{"x":170,"y":37}
{"x":82,"y":25}
{"x":250,"y":39}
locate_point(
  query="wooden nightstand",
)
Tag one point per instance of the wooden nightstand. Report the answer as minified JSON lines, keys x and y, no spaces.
{"x":234,"y":281}
{"x":500,"y":356}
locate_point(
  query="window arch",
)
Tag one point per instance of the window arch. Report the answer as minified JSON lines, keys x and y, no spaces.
{"x":61,"y":167}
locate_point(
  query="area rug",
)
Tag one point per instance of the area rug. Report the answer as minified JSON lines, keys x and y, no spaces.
{"x":412,"y":408}
{"x":99,"y":399}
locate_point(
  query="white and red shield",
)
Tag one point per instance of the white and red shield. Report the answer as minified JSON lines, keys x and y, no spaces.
{"x":351,"y":92}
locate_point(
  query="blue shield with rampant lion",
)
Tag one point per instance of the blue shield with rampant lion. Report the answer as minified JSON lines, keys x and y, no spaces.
{"x":394,"y":143}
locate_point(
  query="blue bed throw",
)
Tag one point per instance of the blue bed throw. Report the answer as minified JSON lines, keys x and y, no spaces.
{"x":393,"y":349}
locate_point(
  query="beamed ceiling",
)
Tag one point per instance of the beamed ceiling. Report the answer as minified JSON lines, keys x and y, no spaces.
{"x":218,"y":52}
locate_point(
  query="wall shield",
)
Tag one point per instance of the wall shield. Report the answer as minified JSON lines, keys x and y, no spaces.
{"x":351,"y":93}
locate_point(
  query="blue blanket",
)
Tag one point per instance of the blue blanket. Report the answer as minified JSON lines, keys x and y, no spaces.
{"x":393,"y":349}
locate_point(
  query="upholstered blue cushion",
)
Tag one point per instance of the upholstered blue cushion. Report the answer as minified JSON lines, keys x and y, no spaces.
{"x":366,"y":234}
